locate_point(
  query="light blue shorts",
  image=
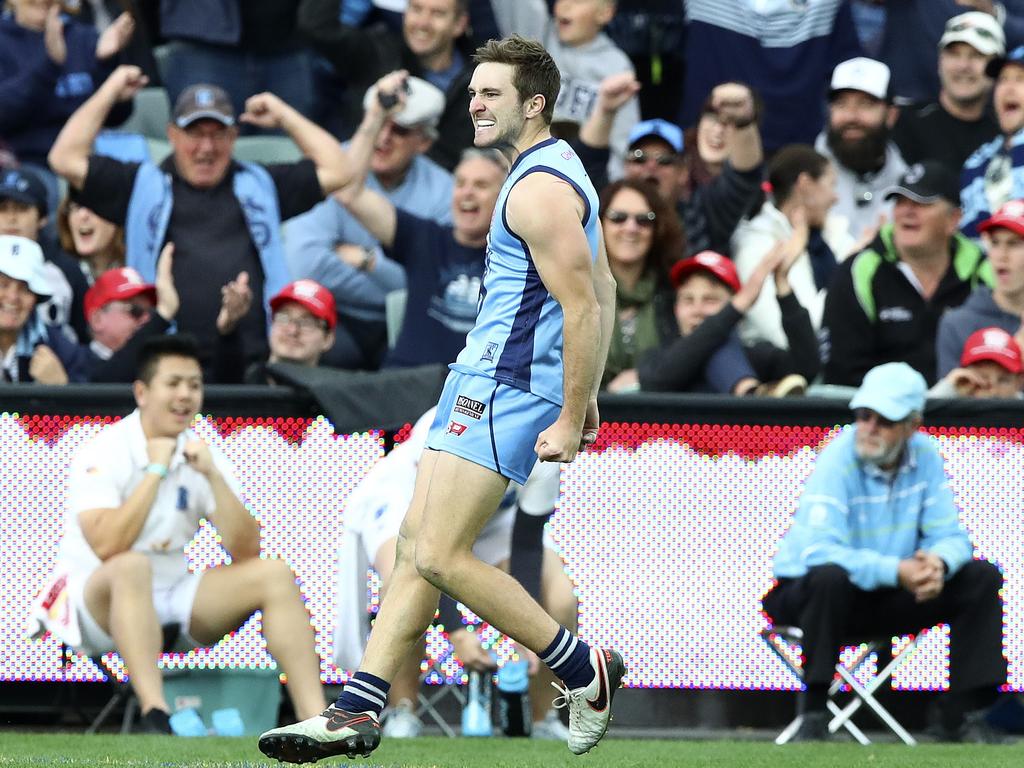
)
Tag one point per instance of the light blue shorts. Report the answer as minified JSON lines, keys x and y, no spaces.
{"x":490,"y":423}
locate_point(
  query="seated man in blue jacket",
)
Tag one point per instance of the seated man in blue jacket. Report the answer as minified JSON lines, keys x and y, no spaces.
{"x":876,"y":548}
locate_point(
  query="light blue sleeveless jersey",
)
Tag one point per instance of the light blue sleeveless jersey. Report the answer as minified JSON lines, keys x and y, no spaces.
{"x":517,"y":339}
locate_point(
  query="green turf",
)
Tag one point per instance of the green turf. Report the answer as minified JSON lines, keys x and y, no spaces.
{"x":58,"y":750}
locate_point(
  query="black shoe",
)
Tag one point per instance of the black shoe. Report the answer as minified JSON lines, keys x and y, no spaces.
{"x":972,"y":729}
{"x":155,"y":721}
{"x":333,"y":732}
{"x":813,"y":727}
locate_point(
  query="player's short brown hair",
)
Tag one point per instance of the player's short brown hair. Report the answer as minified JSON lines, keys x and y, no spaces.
{"x":533,"y":70}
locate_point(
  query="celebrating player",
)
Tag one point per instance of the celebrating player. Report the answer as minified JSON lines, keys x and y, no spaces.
{"x":524,"y":387}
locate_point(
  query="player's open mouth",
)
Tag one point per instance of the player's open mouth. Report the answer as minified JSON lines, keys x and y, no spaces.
{"x":484,"y":124}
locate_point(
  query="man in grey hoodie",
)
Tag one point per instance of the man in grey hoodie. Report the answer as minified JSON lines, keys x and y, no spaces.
{"x":1003,"y":304}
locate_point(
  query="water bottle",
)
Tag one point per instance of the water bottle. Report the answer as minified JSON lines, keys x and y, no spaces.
{"x":514,"y":711}
{"x":476,"y":715}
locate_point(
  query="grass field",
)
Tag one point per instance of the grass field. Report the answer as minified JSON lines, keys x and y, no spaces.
{"x":60,"y":750}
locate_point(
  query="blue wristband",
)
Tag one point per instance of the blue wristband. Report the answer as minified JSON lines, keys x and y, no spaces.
{"x":157,"y":469}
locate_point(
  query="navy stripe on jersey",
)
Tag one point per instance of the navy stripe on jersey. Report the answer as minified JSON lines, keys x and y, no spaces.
{"x":490,"y":426}
{"x":567,"y":180}
{"x":516,"y":361}
{"x":530,"y":151}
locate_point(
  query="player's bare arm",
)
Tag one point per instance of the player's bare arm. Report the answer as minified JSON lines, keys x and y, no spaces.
{"x":547,"y":213}
{"x":604,"y":289}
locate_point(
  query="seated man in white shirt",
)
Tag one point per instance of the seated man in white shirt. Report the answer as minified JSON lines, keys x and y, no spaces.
{"x":136,"y":495}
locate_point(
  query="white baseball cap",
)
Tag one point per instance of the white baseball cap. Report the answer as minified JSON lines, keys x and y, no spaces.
{"x":861,"y":74}
{"x":979,"y":30}
{"x":424,"y":104}
{"x":22,"y":259}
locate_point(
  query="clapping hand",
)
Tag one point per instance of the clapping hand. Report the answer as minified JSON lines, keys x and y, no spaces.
{"x":236,"y":299}
{"x":167,"y":300}
{"x":791,"y":249}
{"x":115,"y":37}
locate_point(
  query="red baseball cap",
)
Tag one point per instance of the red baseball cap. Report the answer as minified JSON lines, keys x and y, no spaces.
{"x":119,"y":284}
{"x":707,"y":261}
{"x":311,"y":295}
{"x":993,"y":344}
{"x":1009,"y":216}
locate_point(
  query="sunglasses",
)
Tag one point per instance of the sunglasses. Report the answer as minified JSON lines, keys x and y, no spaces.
{"x":639,"y":157}
{"x":645,"y":219}
{"x":867,"y":415}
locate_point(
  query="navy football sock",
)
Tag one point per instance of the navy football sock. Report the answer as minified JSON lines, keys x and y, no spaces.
{"x":364,"y":693}
{"x":569,"y":659}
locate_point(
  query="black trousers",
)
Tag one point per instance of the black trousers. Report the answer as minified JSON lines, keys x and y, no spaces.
{"x":831,"y":610}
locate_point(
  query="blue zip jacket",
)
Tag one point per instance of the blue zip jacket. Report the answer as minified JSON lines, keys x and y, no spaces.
{"x":37,"y":96}
{"x":853,"y":515}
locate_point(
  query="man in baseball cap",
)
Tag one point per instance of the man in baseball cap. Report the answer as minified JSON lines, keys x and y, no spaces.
{"x":710,"y":298}
{"x":857,"y":140}
{"x":876,"y":545}
{"x":1000,"y":304}
{"x":655,"y":155}
{"x":301,"y":328}
{"x":117,"y":305}
{"x":885,"y":302}
{"x":950,"y":128}
{"x":990,"y":366}
{"x":203,"y":102}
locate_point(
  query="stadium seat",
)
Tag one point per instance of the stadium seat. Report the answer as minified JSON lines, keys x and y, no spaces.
{"x":150,"y":114}
{"x":158,"y":150}
{"x":785,"y":641}
{"x":122,"y":694}
{"x":394,"y":314}
{"x":267,"y":149}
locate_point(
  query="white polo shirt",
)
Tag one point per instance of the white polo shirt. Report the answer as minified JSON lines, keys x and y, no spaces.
{"x":104,"y":473}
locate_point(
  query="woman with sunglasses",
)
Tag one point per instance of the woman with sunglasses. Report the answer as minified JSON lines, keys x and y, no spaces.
{"x":97,"y":243}
{"x":643,"y":239}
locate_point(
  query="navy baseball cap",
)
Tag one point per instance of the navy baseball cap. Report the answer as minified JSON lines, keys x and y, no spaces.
{"x":25,"y":187}
{"x":668,"y":132}
{"x":994,"y":67}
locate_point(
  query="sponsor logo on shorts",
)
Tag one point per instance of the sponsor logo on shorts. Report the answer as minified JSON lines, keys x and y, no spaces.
{"x":489,"y":351}
{"x":472,"y":408}
{"x":454,"y":428}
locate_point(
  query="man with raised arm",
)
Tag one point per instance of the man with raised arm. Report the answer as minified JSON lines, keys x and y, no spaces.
{"x":223,"y":216}
{"x":525,"y":386}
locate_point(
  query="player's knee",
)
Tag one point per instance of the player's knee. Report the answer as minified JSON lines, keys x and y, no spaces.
{"x":432,"y":563}
{"x":130,"y":569}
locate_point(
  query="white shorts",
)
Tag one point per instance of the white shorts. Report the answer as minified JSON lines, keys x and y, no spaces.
{"x":173,"y":605}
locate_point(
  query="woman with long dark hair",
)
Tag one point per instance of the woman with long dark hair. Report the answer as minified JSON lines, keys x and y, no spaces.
{"x":643,"y":239}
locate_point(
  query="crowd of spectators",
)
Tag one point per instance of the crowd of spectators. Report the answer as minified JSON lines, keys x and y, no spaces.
{"x":791,"y":193}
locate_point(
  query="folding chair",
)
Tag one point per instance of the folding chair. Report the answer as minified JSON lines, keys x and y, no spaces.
{"x":122,"y":689}
{"x":784,"y":642}
{"x":430,"y":696}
